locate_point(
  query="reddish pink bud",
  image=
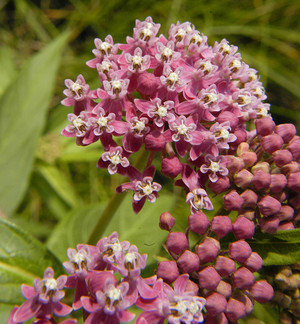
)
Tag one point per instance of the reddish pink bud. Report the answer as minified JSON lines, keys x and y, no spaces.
{"x":269,"y":225}
{"x":280,"y":196}
{"x":243,"y":178}
{"x":261,"y":166}
{"x":262,"y":291}
{"x":240,"y":296}
{"x":239,"y":251}
{"x":208,"y":250}
{"x":208,"y":278}
{"x":168,"y":271}
{"x":171,"y":166}
{"x":243,"y":228}
{"x":235,"y":164}
{"x":278,"y":182}
{"x":254,"y":262}
{"x":226,"y":116}
{"x":250,"y":198}
{"x":147,"y":83}
{"x":222,"y":184}
{"x":233,"y":201}
{"x":249,"y":158}
{"x":264,"y":126}
{"x":225,"y":266}
{"x":218,"y":319}
{"x":241,"y":136}
{"x":242,"y":148}
{"x":188,"y":262}
{"x":198,"y":223}
{"x":249,"y":214}
{"x":295,"y":201}
{"x":243,"y":278}
{"x":235,"y":310}
{"x":271,"y":143}
{"x":215,"y":304}
{"x":286,"y":213}
{"x":166,"y":221}
{"x":224,"y":288}
{"x":261,"y":180}
{"x":282,"y":157}
{"x":269,"y":206}
{"x":155,"y":141}
{"x":177,"y":242}
{"x":286,"y":226}
{"x":286,"y":131}
{"x":294,"y":181}
{"x":294,"y":147}
{"x":221,"y":225}
{"x":291,"y":167}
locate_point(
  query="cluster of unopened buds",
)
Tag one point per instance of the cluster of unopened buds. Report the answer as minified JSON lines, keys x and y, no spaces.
{"x":199,"y":110}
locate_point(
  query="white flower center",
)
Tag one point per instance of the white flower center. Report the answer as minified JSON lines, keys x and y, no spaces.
{"x":116,"y":85}
{"x":105,"y":47}
{"x":210,"y":98}
{"x":173,"y":78}
{"x":182,"y":129}
{"x":102,"y":121}
{"x":76,"y":87}
{"x":161,"y":111}
{"x":244,"y":100}
{"x":197,"y":39}
{"x":114,"y":294}
{"x":147,"y":189}
{"x":224,"y":49}
{"x":258,"y":92}
{"x":115,"y":159}
{"x":79,"y":258}
{"x":79,"y":123}
{"x":222,"y":134}
{"x":137,"y":60}
{"x":130,"y":258}
{"x":50,"y":284}
{"x":206,"y":67}
{"x":167,"y":52}
{"x":193,"y":308}
{"x":235,"y":65}
{"x":139,"y":126}
{"x":105,"y":66}
{"x":214,"y":166}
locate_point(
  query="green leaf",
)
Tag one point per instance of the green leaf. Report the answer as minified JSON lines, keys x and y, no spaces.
{"x":262,"y":314}
{"x":8,"y":69}
{"x":22,"y":259}
{"x":23,"y":109}
{"x":140,"y":229}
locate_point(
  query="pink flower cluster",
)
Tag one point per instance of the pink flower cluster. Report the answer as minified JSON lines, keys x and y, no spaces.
{"x":93,"y":273}
{"x":176,"y":96}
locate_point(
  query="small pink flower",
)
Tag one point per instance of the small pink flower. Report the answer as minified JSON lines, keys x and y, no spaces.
{"x":214,"y":166}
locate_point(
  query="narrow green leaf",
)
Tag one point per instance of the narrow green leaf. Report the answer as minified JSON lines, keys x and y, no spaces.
{"x":8,"y":69}
{"x":22,"y":259}
{"x":23,"y":110}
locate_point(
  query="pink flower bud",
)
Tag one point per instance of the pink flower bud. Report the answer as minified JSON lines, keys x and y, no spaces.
{"x":269,"y":206}
{"x":226,"y":116}
{"x":224,"y":288}
{"x":261,"y":166}
{"x":198,"y":223}
{"x":282,"y":157}
{"x":286,"y":213}
{"x":286,"y":131}
{"x":269,"y":225}
{"x":166,"y":221}
{"x":235,"y":310}
{"x":243,"y":298}
{"x":171,"y":166}
{"x":241,"y":136}
{"x":294,"y":147}
{"x":243,"y":278}
{"x":243,"y":178}
{"x":218,"y":319}
{"x":261,"y":180}
{"x":254,"y":262}
{"x":147,"y":83}
{"x":271,"y":143}
{"x":249,"y":158}
{"x":291,"y":167}
{"x":215,"y":304}
{"x":278,"y":182}
{"x":286,"y":226}
{"x":235,"y":164}
{"x":221,"y":185}
{"x":208,"y":250}
{"x":262,"y":291}
{"x":188,"y":262}
{"x":225,"y":266}
{"x":239,"y":251}
{"x":177,"y":242}
{"x":221,"y":225}
{"x":233,"y":201}
{"x":250,"y":198}
{"x":208,"y":278}
{"x":294,"y":181}
{"x":249,"y":214}
{"x":242,"y":148}
{"x":295,"y":201}
{"x":243,"y":228}
{"x":264,"y":126}
{"x":168,"y":271}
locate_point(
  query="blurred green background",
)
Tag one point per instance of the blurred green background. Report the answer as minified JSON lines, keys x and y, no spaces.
{"x":45,"y":177}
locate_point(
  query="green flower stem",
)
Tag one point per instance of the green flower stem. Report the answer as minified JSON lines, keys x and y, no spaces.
{"x":114,"y":204}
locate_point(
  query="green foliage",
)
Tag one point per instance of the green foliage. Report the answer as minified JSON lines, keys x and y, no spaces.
{"x":22,"y":259}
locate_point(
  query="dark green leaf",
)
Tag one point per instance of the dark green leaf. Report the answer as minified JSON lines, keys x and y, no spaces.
{"x":23,"y":110}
